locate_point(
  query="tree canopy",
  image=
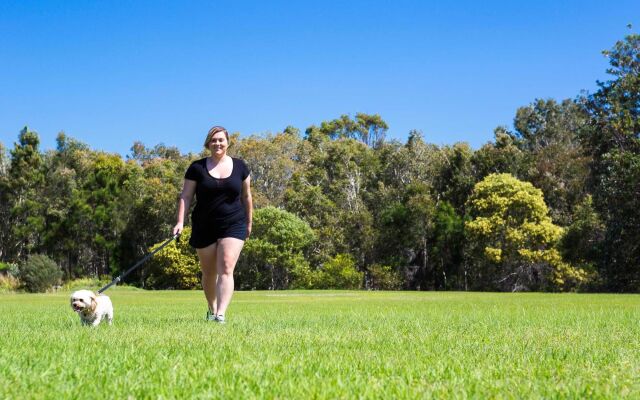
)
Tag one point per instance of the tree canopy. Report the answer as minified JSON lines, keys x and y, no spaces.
{"x":550,"y":204}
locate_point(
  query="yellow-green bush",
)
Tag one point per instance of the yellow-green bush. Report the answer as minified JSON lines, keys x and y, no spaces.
{"x":8,"y":283}
{"x":175,"y":266}
{"x":384,"y":277}
{"x":339,"y":273}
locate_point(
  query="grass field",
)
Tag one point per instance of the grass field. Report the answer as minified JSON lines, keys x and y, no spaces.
{"x":321,"y":344}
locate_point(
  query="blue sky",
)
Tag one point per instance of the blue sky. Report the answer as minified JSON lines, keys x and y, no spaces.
{"x":109,"y":73}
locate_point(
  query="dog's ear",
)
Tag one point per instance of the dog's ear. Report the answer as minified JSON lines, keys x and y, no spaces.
{"x":94,"y":303}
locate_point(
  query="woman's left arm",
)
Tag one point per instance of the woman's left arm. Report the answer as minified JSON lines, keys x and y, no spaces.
{"x":248,"y":202}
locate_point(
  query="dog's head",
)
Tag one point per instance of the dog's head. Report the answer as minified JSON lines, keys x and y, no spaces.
{"x":83,"y":301}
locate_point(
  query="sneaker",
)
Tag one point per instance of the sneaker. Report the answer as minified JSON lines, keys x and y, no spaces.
{"x":220,"y":319}
{"x":211,"y":316}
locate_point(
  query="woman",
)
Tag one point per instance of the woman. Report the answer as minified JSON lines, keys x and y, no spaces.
{"x":221,"y":219}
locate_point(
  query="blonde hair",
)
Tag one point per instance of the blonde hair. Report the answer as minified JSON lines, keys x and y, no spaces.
{"x":212,"y":132}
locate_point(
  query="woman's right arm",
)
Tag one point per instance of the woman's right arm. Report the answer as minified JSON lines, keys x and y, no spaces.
{"x":188,"y":189}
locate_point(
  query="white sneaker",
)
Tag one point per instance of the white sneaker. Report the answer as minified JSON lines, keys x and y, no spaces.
{"x":210,"y":316}
{"x":220,"y":319}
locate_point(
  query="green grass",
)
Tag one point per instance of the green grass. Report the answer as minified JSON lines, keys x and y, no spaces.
{"x":318,"y":344}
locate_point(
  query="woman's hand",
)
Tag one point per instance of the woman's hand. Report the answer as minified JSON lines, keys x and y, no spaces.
{"x":177,"y":230}
{"x":188,"y":189}
{"x":248,"y":229}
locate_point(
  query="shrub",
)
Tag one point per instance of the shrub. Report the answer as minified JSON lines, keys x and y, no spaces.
{"x":304,"y":277}
{"x":8,"y":283}
{"x":339,"y":273}
{"x":383,"y":277}
{"x":39,"y":273}
{"x":174,"y":267}
{"x":273,"y":258}
{"x":8,"y":269}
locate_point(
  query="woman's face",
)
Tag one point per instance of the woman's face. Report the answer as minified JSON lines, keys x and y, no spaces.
{"x":218,"y":144}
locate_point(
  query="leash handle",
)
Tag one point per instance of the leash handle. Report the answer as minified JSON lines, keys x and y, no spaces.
{"x":136,"y":265}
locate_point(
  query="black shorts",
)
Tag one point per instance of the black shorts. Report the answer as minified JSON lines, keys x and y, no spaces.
{"x":203,"y":236}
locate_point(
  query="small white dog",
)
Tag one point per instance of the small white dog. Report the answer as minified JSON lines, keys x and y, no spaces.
{"x":92,"y":309}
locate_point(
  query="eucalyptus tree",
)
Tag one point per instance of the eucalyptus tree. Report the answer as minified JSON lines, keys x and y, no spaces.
{"x":447,"y":245}
{"x":307,"y":197}
{"x":5,"y":205}
{"x":148,"y":199}
{"x":332,"y":191}
{"x":368,"y":129}
{"x":502,"y":155}
{"x":612,"y":139}
{"x":98,"y":215}
{"x":352,"y":169}
{"x":65,"y":168}
{"x":548,"y":132}
{"x":24,"y":187}
{"x":4,"y":161}
{"x":373,"y":129}
{"x":404,"y":218}
{"x":141,"y":153}
{"x":455,"y":176}
{"x":272,"y":159}
{"x":581,"y":244}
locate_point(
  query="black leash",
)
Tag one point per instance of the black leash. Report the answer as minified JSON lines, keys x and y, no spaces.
{"x":148,"y":256}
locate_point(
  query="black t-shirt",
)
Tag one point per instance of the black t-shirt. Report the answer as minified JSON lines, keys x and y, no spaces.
{"x":217,"y":199}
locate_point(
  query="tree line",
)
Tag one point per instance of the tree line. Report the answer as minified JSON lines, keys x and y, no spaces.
{"x":551,"y":204}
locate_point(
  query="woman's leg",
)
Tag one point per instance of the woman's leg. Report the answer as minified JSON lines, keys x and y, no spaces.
{"x":227,"y":256}
{"x":208,"y":257}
